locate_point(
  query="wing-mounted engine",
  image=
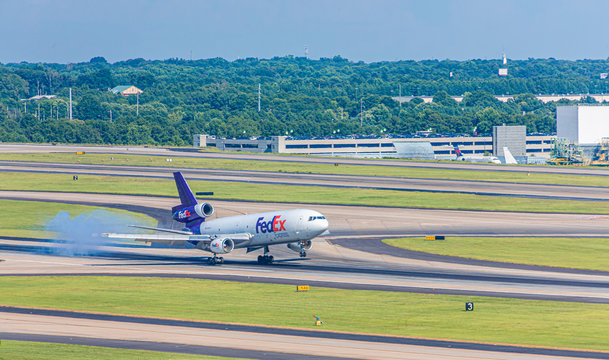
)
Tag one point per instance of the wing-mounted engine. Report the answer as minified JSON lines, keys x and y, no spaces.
{"x":301,"y":247}
{"x":221,"y":246}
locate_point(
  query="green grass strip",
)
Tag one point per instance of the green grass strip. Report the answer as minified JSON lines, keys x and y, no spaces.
{"x":397,"y":171}
{"x":298,"y":194}
{"x":575,"y":253}
{"x":496,"y":320}
{"x":28,"y":350}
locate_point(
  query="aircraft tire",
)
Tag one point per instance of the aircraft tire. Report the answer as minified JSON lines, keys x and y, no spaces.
{"x":303,"y":254}
{"x":212,"y":261}
{"x":270,"y":259}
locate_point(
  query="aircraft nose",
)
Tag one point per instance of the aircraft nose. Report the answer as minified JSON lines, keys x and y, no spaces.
{"x":325,"y":224}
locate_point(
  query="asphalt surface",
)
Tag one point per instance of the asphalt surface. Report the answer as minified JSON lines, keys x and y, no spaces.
{"x":451,"y":275}
{"x":192,"y":152}
{"x":358,"y":286}
{"x":352,"y":222}
{"x":487,"y":188}
{"x":377,"y":246}
{"x":163,"y":347}
{"x":296,"y":332}
{"x":329,"y":266}
{"x":336,"y":266}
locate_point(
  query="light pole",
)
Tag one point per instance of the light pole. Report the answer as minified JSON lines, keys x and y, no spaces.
{"x":57,"y":105}
{"x":70,"y":104}
{"x":361,"y":112}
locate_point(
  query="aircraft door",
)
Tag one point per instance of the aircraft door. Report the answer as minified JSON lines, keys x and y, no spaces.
{"x":302,"y":224}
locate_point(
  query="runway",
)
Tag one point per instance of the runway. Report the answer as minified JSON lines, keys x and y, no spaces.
{"x":249,"y":341}
{"x":106,"y":330}
{"x":328,"y":262}
{"x":263,"y":342}
{"x":193,"y":152}
{"x":348,"y":222}
{"x":337,"y":261}
{"x":330,"y":266}
{"x":539,"y":191}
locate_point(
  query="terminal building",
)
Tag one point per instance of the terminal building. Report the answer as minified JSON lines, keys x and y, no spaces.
{"x":513,"y":137}
{"x":583,"y":124}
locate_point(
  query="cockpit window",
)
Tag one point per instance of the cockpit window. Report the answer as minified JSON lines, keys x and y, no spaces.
{"x":311,"y":218}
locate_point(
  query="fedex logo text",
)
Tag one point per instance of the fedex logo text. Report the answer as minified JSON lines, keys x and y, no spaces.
{"x":184,"y":214}
{"x":274,"y":225}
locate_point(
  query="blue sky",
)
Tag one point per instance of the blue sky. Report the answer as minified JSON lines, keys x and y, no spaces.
{"x":67,"y":31}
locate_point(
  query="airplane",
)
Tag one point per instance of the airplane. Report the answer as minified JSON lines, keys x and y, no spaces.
{"x":476,"y":158}
{"x":296,"y":228}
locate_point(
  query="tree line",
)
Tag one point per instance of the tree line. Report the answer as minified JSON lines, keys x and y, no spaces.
{"x":299,"y":97}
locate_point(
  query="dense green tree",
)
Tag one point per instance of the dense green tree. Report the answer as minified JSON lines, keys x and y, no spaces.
{"x":89,"y":108}
{"x":299,"y":96}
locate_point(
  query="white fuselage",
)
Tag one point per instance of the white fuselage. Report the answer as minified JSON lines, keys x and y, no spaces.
{"x":276,"y":227}
{"x":480,"y":159}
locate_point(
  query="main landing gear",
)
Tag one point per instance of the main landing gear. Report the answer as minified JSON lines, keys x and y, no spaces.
{"x":215,"y":260}
{"x":303,"y":253}
{"x":265,"y":259}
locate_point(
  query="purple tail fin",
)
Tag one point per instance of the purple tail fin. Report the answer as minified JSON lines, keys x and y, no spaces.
{"x":457,"y":151}
{"x":187,"y":198}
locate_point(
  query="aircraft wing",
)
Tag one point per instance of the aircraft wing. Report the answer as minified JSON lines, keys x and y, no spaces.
{"x":178,"y":239}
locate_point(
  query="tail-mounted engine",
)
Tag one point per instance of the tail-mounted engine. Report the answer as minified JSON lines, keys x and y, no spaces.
{"x":192,"y":213}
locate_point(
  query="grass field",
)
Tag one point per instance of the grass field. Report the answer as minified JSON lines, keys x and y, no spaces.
{"x":28,"y":218}
{"x":298,"y":194}
{"x":145,"y":160}
{"x":497,"y":320}
{"x":576,"y":253}
{"x":27,"y":350}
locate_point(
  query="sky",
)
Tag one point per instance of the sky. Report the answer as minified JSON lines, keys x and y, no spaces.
{"x":70,"y":31}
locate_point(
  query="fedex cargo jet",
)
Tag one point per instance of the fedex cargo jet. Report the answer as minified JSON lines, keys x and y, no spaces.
{"x":296,"y":228}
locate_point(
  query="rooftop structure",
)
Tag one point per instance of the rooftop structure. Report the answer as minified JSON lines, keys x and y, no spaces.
{"x":40,"y":97}
{"x":126,"y":90}
{"x":506,"y":98}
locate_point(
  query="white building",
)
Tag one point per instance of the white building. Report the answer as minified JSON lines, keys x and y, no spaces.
{"x":582,"y":124}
